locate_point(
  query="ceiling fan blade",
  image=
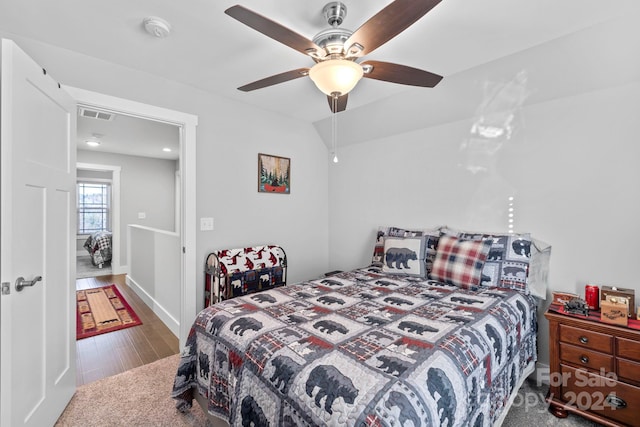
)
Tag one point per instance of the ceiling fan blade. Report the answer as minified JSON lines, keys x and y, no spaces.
{"x":396,"y":73}
{"x":341,"y":105}
{"x":386,"y":24}
{"x":274,"y":30}
{"x":275,"y":79}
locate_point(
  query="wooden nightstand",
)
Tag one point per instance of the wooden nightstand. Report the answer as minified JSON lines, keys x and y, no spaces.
{"x":594,"y":370}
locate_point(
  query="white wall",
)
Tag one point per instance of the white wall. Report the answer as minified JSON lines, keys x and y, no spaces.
{"x":570,"y":163}
{"x":154,"y":271}
{"x":571,"y":166}
{"x":146,"y":185}
{"x":229,"y":137}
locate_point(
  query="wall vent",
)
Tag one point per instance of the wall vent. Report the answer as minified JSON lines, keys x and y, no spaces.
{"x":95,"y":114}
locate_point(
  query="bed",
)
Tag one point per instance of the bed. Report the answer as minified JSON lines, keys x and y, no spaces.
{"x":98,"y":245}
{"x":439,"y":330}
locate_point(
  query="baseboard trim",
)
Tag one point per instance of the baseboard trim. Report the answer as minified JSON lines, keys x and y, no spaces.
{"x":121,"y":269}
{"x":157,"y":308}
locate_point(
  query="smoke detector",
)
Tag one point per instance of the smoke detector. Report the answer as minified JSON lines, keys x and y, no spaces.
{"x":157,"y":27}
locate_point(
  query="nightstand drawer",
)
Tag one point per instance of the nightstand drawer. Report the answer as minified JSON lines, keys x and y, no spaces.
{"x":629,"y":371}
{"x":588,"y":339}
{"x":628,"y":349}
{"x":603,"y":396}
{"x":586,"y":358}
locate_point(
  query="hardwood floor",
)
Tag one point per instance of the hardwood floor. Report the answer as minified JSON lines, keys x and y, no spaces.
{"x":115,"y":352}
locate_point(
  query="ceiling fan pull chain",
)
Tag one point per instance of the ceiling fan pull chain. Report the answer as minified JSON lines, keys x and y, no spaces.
{"x":334,"y":128}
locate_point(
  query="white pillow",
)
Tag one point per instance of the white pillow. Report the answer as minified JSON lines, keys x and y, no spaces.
{"x":405,"y":255}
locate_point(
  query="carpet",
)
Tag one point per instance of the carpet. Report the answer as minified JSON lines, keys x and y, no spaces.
{"x":102,"y":310}
{"x":140,"y":397}
{"x":84,"y":268}
{"x":530,"y":409}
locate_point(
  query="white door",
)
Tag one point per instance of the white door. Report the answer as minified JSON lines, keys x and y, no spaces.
{"x":37,"y":221}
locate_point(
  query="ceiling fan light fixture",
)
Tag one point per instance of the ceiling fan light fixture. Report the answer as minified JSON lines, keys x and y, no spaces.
{"x":336,"y":76}
{"x":334,"y":12}
{"x":336,"y":49}
{"x":354,"y":50}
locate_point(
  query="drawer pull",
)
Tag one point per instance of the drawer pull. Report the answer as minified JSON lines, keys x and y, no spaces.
{"x":584,"y":339}
{"x":584,"y":359}
{"x":616,"y":402}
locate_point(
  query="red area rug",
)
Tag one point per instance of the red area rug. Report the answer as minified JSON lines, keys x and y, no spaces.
{"x":102,"y":310}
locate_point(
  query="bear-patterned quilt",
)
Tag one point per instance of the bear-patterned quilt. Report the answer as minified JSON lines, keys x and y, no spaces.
{"x":360,"y":348}
{"x":99,"y":247}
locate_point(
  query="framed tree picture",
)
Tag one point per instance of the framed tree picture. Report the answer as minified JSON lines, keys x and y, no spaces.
{"x":274,"y":174}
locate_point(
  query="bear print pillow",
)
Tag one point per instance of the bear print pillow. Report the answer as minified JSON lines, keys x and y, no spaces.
{"x":405,"y":255}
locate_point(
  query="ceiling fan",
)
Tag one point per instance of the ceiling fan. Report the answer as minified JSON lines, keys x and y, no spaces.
{"x":336,"y":50}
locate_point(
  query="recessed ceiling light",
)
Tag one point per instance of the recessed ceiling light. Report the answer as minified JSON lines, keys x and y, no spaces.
{"x":166,"y":150}
{"x":94,"y":140}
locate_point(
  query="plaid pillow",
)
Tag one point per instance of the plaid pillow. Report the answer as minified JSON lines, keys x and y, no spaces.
{"x":507,"y":264}
{"x":460,"y":262}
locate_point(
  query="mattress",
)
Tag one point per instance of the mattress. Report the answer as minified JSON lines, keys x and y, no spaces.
{"x":360,"y":348}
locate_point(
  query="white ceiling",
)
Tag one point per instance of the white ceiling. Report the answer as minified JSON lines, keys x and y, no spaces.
{"x":209,"y":50}
{"x":131,"y":136}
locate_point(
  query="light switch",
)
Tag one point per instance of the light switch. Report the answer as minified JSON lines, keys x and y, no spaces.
{"x":142,"y":215}
{"x":206,"y":224}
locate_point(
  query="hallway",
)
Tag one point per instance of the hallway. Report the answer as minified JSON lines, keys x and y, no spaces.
{"x":115,"y":352}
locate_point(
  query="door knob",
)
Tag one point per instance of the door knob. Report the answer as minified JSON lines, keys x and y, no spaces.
{"x":21,"y":283}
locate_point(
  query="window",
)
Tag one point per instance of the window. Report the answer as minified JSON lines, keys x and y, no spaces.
{"x":94,"y":207}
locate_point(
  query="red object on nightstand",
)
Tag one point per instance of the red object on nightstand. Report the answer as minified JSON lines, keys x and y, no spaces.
{"x":592,"y":296}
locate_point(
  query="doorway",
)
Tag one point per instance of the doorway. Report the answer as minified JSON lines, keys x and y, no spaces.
{"x":86,"y":262}
{"x":127,"y":167}
{"x":187,"y":164}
